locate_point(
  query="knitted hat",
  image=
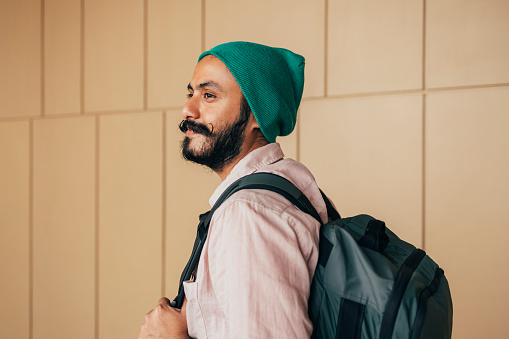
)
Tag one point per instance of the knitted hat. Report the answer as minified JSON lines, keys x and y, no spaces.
{"x":272,"y":80}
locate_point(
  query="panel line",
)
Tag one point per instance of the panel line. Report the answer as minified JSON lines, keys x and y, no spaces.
{"x":203,"y":28}
{"x":163,"y":230}
{"x":326,"y":49}
{"x":31,"y":230}
{"x":423,"y":44}
{"x":423,"y":150}
{"x":423,"y":122}
{"x":145,"y":54}
{"x":97,"y":225}
{"x":82,"y":57}
{"x":297,"y":146}
{"x":43,"y":60}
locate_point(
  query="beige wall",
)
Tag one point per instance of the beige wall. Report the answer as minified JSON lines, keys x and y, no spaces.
{"x":405,"y":116}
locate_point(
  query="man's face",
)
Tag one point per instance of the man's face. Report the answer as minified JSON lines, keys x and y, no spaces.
{"x":215,"y":116}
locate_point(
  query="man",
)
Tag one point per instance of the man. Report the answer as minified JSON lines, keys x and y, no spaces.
{"x":255,"y":270}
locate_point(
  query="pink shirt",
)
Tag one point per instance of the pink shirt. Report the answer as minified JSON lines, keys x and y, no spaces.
{"x":256,"y":267}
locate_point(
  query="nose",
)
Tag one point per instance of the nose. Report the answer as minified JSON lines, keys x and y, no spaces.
{"x":190,"y":109}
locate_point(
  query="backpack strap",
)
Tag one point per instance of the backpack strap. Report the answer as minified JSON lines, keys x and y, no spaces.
{"x":282,"y":186}
{"x":267,"y":181}
{"x":332,"y":213}
{"x":423,"y":300}
{"x":401,"y":281}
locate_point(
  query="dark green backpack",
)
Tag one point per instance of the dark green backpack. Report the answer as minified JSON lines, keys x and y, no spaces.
{"x":368,"y":283}
{"x":371,"y":284}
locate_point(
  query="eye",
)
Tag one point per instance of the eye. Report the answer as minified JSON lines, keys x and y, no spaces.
{"x":189,"y":95}
{"x":209,"y":96}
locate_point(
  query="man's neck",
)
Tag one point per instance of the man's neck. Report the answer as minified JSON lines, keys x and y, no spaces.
{"x":247,"y":148}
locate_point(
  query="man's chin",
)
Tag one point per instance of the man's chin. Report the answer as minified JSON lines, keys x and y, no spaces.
{"x":192,"y":150}
{"x":192,"y":145}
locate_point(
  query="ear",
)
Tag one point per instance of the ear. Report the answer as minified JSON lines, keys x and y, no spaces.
{"x":255,"y":130}
{"x":252,"y":124}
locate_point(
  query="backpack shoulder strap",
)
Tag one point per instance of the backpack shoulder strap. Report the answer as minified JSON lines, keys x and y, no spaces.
{"x":267,"y":181}
{"x":280,"y":185}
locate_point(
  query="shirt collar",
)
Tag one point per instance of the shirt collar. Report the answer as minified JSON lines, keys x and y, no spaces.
{"x":252,"y":162}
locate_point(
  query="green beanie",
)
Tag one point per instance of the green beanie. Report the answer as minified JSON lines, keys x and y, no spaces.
{"x":272,"y":80}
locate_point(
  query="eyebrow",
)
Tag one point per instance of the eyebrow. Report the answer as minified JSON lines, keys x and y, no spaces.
{"x":206,"y":84}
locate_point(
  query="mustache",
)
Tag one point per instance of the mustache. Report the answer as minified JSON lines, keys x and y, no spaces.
{"x":196,"y":127}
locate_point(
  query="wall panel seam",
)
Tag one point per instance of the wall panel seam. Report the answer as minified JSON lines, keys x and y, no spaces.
{"x":43,"y":60}
{"x":455,"y":88}
{"x":91,"y":114}
{"x":163,"y":230}
{"x":145,"y":54}
{"x":297,"y":146}
{"x":423,"y":150}
{"x":203,"y":28}
{"x":367,"y":94}
{"x":97,"y":225}
{"x":423,"y":44}
{"x":326,"y":49}
{"x":23,"y":118}
{"x":408,"y":91}
{"x":31,"y":229}
{"x":340,"y":96}
{"x":82,"y":57}
{"x":423,"y":127}
{"x":129,"y":111}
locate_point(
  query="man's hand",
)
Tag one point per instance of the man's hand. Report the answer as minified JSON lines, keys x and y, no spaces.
{"x":165,"y":322}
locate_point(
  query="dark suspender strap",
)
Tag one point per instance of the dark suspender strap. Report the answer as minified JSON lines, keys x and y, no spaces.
{"x":267,"y":181}
{"x":350,"y":319}
{"x":403,"y":276}
{"x":201,"y":235}
{"x":331,"y":211}
{"x":423,"y":301}
{"x":275,"y":183}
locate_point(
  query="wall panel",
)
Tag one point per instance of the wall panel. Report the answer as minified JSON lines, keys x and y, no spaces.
{"x":294,"y":24}
{"x":113,"y":55}
{"x":130,"y":221}
{"x":467,"y":195}
{"x":14,"y":229}
{"x":20,"y":59}
{"x":466,"y":42}
{"x":173,"y":49}
{"x":289,"y":144}
{"x":64,"y":228}
{"x":366,"y":154}
{"x":374,"y":46}
{"x":62,"y":56}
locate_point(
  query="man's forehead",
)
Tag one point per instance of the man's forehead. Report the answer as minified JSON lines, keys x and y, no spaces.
{"x":212,"y":72}
{"x":213,"y":65}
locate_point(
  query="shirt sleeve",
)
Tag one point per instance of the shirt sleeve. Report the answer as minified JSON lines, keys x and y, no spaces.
{"x":261,"y":264}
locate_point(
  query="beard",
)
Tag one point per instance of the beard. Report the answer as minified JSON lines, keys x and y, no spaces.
{"x":220,"y":147}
